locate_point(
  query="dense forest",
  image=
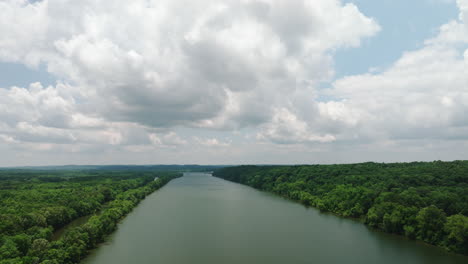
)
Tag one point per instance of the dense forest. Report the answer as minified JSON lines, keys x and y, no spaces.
{"x":36,"y":203}
{"x":427,"y":201}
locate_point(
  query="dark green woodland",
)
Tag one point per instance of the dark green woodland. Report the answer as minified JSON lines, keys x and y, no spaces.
{"x":426,"y":201}
{"x":36,"y":203}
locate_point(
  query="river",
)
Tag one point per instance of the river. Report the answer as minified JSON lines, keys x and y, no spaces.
{"x":200,"y":219}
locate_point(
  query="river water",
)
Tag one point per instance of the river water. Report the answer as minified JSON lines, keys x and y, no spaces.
{"x":200,"y":219}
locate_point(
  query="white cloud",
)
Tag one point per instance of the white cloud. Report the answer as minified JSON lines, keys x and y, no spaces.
{"x":211,"y":142}
{"x":287,"y":128}
{"x":132,"y":74}
{"x":422,"y":95}
{"x":49,"y":116}
{"x":168,"y":139}
{"x":338,"y":112}
{"x":207,"y":63}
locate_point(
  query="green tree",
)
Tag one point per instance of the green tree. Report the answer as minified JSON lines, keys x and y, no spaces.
{"x":9,"y":250}
{"x":430,"y":223}
{"x":23,"y":242}
{"x":39,"y":248}
{"x":457,"y":233}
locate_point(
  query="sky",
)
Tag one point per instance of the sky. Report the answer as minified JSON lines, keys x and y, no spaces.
{"x":232,"y":81}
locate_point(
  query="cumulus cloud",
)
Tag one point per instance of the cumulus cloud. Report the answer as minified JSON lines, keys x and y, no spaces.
{"x":36,"y":114}
{"x":211,"y":142}
{"x":169,"y":139}
{"x":422,"y":95}
{"x":132,"y":73}
{"x":215,"y":64}
{"x":50,"y":116}
{"x":287,"y":128}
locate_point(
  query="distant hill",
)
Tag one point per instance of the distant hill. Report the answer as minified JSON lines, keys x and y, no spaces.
{"x":174,"y":167}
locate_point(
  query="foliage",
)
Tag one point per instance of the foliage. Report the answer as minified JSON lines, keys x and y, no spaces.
{"x":34,"y":204}
{"x":421,"y":200}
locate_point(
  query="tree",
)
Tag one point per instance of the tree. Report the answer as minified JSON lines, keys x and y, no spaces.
{"x":9,"y":249}
{"x":39,"y":248}
{"x":457,"y":233}
{"x":430,"y":223}
{"x":23,"y":242}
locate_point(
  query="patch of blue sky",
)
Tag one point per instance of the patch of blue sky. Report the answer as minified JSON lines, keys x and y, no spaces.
{"x":15,"y":74}
{"x":405,"y":26}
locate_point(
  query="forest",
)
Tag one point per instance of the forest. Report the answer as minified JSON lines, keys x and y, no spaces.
{"x":427,"y":201}
{"x":36,"y":203}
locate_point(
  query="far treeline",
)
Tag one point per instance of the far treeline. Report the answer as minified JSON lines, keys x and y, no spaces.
{"x":35,"y":204}
{"x":427,"y":201}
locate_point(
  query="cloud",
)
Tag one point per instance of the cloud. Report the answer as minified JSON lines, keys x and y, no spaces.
{"x":214,"y":64}
{"x":168,"y":139}
{"x":50,"y":116}
{"x":423,"y":95}
{"x":211,"y":142}
{"x":132,"y":74}
{"x":287,"y":128}
{"x":36,"y":114}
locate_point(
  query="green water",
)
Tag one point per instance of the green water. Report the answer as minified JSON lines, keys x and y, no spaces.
{"x":61,"y":231}
{"x":202,"y":219}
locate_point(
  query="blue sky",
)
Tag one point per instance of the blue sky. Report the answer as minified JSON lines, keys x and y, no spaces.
{"x":405,"y":26}
{"x":15,"y":74}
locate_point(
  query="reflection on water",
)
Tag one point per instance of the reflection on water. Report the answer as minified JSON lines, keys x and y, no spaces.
{"x":202,"y":219}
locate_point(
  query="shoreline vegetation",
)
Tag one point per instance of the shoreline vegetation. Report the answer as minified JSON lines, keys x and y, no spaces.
{"x":426,"y":201}
{"x":35,"y":204}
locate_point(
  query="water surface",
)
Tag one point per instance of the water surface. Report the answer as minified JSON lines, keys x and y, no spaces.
{"x":202,"y":219}
{"x":59,"y":233}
